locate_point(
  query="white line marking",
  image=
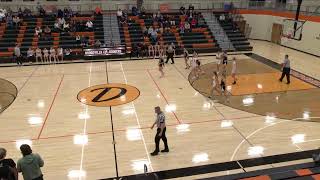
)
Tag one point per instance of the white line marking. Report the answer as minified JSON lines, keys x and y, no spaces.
{"x":85,"y":125}
{"x":138,"y":122}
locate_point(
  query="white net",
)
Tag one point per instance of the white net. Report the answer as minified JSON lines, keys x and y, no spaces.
{"x":292,"y":29}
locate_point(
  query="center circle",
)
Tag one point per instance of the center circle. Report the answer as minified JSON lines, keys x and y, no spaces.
{"x":106,"y":95}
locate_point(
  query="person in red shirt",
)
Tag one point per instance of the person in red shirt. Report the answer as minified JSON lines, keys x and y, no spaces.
{"x":194,"y":23}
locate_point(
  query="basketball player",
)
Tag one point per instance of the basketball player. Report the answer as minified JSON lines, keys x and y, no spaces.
{"x":225,"y":59}
{"x":219,"y":57}
{"x":186,"y":58}
{"x":194,"y":64}
{"x":214,"y":85}
{"x":161,"y":131}
{"x":234,"y":70}
{"x":161,"y":65}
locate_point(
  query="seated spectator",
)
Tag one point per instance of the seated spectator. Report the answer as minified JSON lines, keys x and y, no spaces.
{"x":30,"y":55}
{"x":187,"y":27}
{"x":119,"y":13}
{"x":84,"y":41}
{"x":7,"y":167}
{"x":66,"y":27}
{"x":97,"y":44}
{"x":98,"y":11}
{"x":182,"y":10}
{"x":60,"y":13}
{"x":38,"y":54}
{"x":61,"y":21}
{"x":56,"y":27}
{"x":123,"y":20}
{"x":38,"y":31}
{"x":78,"y":40}
{"x":182,"y":27}
{"x":172,"y":21}
{"x":143,"y":12}
{"x":59,"y":54}
{"x":134,"y":11}
{"x":191,"y":7}
{"x":16,"y":21}
{"x":89,"y":25}
{"x":222,"y":17}
{"x":47,"y":32}
{"x":150,"y":30}
{"x":26,"y":12}
{"x":45,"y":55}
{"x":30,"y":164}
{"x":9,"y":20}
{"x":2,"y":15}
{"x":201,"y":22}
{"x":52,"y":55}
{"x":194,"y":23}
{"x":67,"y":52}
{"x":144,"y":30}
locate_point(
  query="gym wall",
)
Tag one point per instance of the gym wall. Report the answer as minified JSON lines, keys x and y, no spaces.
{"x":262,"y":29}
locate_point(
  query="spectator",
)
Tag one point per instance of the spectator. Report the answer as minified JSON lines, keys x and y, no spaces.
{"x":187,"y":27}
{"x":150,"y":30}
{"x":30,"y":164}
{"x":144,"y":30}
{"x":154,"y":36}
{"x":30,"y":55}
{"x":78,"y":40}
{"x":123,"y":20}
{"x":201,"y":22}
{"x":47,"y":32}
{"x":67,"y":52}
{"x":194,"y":23}
{"x":59,"y":54}
{"x":7,"y":167}
{"x":38,"y":31}
{"x":84,"y":41}
{"x":191,"y":7}
{"x":97,"y":44}
{"x":222,"y":17}
{"x":17,"y":54}
{"x":61,"y":21}
{"x":119,"y":13}
{"x":56,"y":27}
{"x":9,"y":20}
{"x":45,"y":55}
{"x":60,"y":13}
{"x":134,"y":11}
{"x":52,"y":55}
{"x":182,"y":10}
{"x":66,"y":27}
{"x":182,"y":25}
{"x":172,"y":21}
{"x":98,"y":11}
{"x":20,"y":13}
{"x":38,"y":54}
{"x":89,"y":25}
{"x":16,"y":21}
{"x":2,"y":15}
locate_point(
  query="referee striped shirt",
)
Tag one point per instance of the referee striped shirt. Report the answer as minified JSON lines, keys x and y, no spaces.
{"x":161,"y":119}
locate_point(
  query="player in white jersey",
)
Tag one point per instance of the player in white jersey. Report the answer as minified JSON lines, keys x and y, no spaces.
{"x":234,"y":70}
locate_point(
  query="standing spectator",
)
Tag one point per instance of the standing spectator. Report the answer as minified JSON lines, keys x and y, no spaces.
{"x":161,"y":131}
{"x":170,"y":53}
{"x":119,"y":13}
{"x":286,"y":68}
{"x":182,"y":10}
{"x":30,"y":164}
{"x":89,"y":25}
{"x":30,"y":55}
{"x":17,"y":54}
{"x":38,"y":55}
{"x":7,"y":167}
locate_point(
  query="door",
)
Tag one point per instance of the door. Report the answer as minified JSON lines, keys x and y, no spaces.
{"x":276,"y":33}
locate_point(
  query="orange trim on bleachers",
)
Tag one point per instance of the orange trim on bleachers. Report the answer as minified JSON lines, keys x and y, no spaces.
{"x":303,"y":172}
{"x":258,"y":178}
{"x":316,"y":177}
{"x":279,"y":14}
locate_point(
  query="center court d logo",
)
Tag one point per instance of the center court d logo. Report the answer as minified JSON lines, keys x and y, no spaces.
{"x":106,"y":95}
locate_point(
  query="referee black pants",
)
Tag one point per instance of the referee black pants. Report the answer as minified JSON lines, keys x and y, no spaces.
{"x":170,"y":56}
{"x":163,"y":137}
{"x":285,"y":72}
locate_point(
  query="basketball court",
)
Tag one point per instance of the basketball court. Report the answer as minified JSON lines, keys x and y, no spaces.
{"x":58,"y":111}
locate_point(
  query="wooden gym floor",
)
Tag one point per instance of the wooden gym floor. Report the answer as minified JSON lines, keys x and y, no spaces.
{"x":78,"y":141}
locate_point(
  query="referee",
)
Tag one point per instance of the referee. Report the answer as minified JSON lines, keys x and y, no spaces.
{"x":161,"y":131}
{"x":286,"y":69}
